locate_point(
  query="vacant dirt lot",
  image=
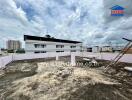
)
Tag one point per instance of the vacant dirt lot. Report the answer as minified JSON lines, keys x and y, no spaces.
{"x":57,"y":80}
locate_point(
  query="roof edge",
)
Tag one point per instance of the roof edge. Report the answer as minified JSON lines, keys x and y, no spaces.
{"x":28,"y":37}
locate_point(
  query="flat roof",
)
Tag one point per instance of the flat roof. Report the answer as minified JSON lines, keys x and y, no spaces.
{"x":29,"y":37}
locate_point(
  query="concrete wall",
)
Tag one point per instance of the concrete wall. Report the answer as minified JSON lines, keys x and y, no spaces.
{"x":108,"y":56}
{"x":7,"y":59}
{"x":105,"y":56}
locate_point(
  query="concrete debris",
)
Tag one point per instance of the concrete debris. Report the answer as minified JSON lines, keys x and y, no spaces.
{"x":128,"y":68}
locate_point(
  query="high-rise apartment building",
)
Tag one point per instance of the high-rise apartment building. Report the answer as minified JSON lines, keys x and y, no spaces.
{"x":13,"y":44}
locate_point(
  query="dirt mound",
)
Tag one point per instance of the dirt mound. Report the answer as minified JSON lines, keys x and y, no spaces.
{"x":97,"y":92}
{"x":57,"y":80}
{"x":14,"y":72}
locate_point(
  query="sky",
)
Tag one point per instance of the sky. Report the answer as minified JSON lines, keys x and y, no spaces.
{"x":89,"y":21}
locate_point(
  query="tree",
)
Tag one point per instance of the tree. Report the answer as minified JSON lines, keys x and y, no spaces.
{"x":20,"y":51}
{"x":47,"y":36}
{"x":10,"y":51}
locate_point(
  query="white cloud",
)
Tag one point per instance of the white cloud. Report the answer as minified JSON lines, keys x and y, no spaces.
{"x":84,"y":20}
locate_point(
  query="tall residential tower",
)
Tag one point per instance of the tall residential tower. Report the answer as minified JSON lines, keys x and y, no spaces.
{"x":13,"y":44}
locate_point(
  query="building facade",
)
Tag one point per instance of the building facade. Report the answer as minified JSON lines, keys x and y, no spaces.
{"x":35,"y":44}
{"x":96,"y":49}
{"x":13,"y":44}
{"x":117,"y":48}
{"x":106,"y":49}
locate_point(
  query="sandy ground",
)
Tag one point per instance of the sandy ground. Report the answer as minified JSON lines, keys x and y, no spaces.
{"x":57,"y":80}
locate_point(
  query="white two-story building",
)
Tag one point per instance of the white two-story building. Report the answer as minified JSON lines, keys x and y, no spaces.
{"x":35,"y":44}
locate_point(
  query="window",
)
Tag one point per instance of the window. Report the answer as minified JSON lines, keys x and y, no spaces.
{"x":39,"y":45}
{"x":37,"y":52}
{"x":40,"y":52}
{"x":36,"y":45}
{"x":73,"y":46}
{"x":43,"y":51}
{"x":73,"y":50}
{"x":43,"y":45}
{"x":59,"y":46}
{"x":59,"y":51}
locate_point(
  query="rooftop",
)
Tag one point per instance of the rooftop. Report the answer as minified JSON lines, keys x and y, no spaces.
{"x":117,"y":7}
{"x":28,"y":37}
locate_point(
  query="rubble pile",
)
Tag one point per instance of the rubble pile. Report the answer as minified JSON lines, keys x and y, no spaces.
{"x":57,"y":80}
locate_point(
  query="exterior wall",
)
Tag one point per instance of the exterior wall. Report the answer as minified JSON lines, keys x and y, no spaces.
{"x":7,"y":59}
{"x":104,"y":56}
{"x":108,"y":56}
{"x":50,"y":46}
{"x":117,"y":48}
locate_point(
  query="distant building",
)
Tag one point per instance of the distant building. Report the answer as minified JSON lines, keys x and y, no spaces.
{"x":89,"y":49}
{"x":96,"y":49}
{"x":117,"y":48}
{"x":35,"y":44}
{"x":84,"y":49}
{"x":13,"y":44}
{"x":121,"y":48}
{"x":106,"y":49}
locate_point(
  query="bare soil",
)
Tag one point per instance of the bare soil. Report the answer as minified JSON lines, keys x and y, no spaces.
{"x":47,"y":79}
